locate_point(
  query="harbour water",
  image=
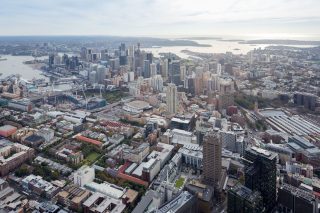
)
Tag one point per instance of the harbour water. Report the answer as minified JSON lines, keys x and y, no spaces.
{"x":15,"y":65}
{"x":217,"y":46}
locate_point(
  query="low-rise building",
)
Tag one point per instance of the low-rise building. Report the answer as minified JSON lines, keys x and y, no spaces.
{"x":136,"y":155}
{"x":7,"y":130}
{"x":100,"y":203}
{"x":10,"y":200}
{"x":73,"y":197}
{"x":37,"y":185}
{"x":83,"y":175}
{"x":12,"y":155}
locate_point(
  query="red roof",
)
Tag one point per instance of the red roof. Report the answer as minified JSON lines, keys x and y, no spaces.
{"x":124,"y":167}
{"x":113,"y":124}
{"x":88,"y":140}
{"x":129,"y":177}
{"x":133,"y":179}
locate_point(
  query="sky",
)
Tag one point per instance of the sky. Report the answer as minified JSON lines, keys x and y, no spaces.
{"x":161,"y":18}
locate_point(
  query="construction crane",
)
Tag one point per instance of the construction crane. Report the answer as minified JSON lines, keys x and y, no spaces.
{"x":84,"y":94}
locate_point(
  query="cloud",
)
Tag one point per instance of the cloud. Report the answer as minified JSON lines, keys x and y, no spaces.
{"x":156,"y":17}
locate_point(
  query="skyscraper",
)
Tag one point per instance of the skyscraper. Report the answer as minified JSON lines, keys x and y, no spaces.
{"x":183,"y":73}
{"x":146,"y":69}
{"x":123,"y":54}
{"x":149,"y":57}
{"x":153,"y":70}
{"x":260,"y":174}
{"x":212,"y":168}
{"x":219,"y":69}
{"x":164,"y":69}
{"x":172,"y":98}
{"x":157,"y":83}
{"x":174,"y":72}
{"x":242,"y":200}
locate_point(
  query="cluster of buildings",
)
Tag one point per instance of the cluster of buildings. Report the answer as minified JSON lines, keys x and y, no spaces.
{"x":181,"y":141}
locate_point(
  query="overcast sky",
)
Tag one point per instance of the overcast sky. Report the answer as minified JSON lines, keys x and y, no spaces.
{"x":160,"y":17}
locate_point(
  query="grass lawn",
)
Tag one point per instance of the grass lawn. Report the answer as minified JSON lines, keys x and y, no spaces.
{"x":179,"y":182}
{"x":92,"y":157}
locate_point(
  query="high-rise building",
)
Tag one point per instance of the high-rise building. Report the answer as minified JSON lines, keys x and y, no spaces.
{"x":260,"y":174}
{"x":212,"y":163}
{"x":123,"y":54}
{"x":153,"y":69}
{"x":242,"y":200}
{"x":225,"y":100}
{"x":131,"y":51}
{"x":174,"y":72}
{"x":183,"y":73}
{"x":305,"y":99}
{"x":101,"y":74}
{"x":149,"y":57}
{"x":164,"y":66}
{"x":293,"y":199}
{"x":198,"y":81}
{"x":172,"y":98}
{"x":157,"y":83}
{"x":93,"y":77}
{"x":146,"y":69}
{"x":219,"y":69}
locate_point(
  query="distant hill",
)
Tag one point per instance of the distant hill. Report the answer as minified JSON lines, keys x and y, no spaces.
{"x":280,"y":42}
{"x":110,"y":40}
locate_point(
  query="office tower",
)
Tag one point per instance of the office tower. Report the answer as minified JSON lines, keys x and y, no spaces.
{"x":225,"y":85}
{"x":260,"y":174}
{"x":206,"y":67}
{"x":212,"y":163}
{"x":104,"y":54}
{"x":225,"y":100}
{"x":131,"y":62}
{"x":183,"y":73}
{"x":93,"y":77}
{"x":157,"y":83}
{"x":123,"y":54}
{"x":228,"y":68}
{"x":219,"y":69}
{"x":101,"y":74}
{"x":305,"y":99}
{"x":198,"y":81}
{"x":226,"y":93}
{"x":131,"y":51}
{"x":51,"y":60}
{"x":293,"y":199}
{"x":242,"y":200}
{"x":146,"y":69}
{"x":205,"y":77}
{"x":149,"y":57}
{"x":164,"y":67}
{"x":138,"y":58}
{"x":174,"y":72}
{"x":153,"y":70}
{"x":172,"y":98}
{"x":114,"y":64}
{"x":190,"y":84}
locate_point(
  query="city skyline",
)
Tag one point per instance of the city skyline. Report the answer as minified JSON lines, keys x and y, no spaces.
{"x":272,"y":19}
